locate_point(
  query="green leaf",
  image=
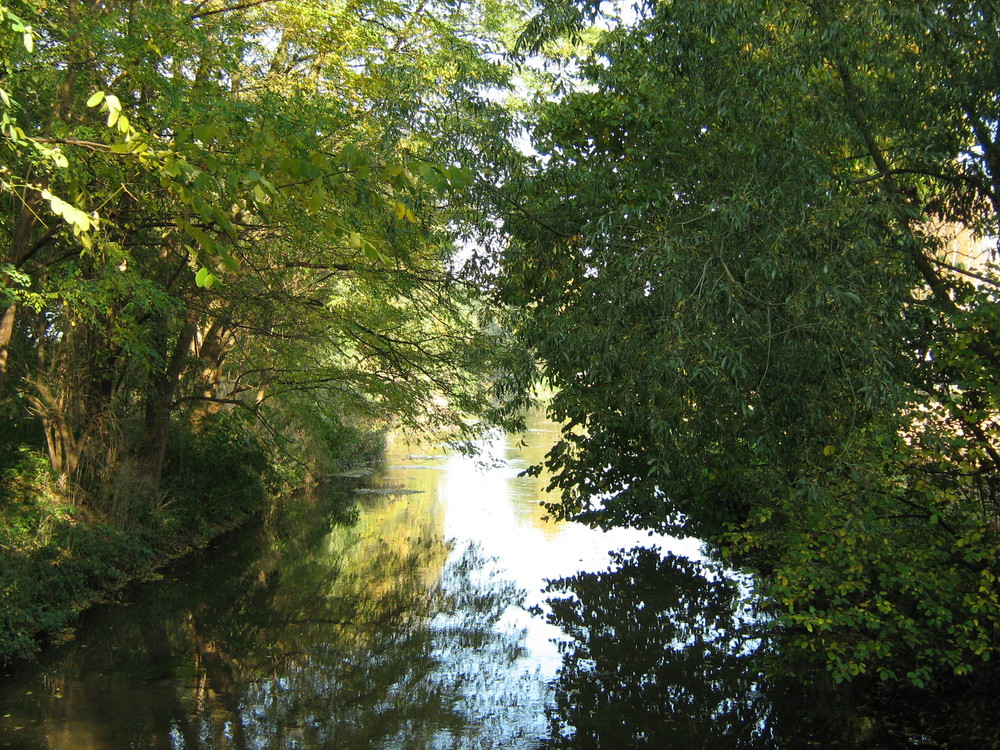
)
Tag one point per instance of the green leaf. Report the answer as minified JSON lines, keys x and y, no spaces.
{"x":203,"y":238}
{"x":95,"y":99}
{"x":228,"y":260}
{"x":317,"y":200}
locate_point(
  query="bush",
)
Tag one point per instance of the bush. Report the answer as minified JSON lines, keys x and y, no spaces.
{"x":319,"y":443}
{"x":215,"y":474}
{"x":346,"y":445}
{"x":52,"y":564}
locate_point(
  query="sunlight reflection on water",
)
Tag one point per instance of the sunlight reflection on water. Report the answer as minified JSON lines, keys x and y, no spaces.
{"x":488,"y":504}
{"x":405,"y":628}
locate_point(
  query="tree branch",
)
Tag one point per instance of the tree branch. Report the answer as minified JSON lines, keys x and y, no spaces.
{"x":970,"y":274}
{"x":890,"y":187}
{"x":227,"y":9}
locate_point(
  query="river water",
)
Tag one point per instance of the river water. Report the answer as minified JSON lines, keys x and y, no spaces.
{"x":437,"y":607}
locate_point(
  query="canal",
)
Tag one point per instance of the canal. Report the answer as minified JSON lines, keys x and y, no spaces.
{"x":433,"y":606}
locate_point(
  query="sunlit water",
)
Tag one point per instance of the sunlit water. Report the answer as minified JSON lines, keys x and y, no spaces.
{"x":490,"y":507}
{"x":405,"y":626}
{"x":437,"y":607}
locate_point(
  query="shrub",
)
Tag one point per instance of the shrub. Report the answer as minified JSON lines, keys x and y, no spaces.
{"x":215,"y":474}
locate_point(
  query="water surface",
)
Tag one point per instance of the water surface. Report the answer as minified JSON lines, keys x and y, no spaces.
{"x":436,"y":608}
{"x":402,"y":624}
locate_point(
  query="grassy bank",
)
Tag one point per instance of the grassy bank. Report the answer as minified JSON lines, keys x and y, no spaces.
{"x":62,"y":550}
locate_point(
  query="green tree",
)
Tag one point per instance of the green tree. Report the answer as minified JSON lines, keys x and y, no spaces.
{"x":237,"y":206}
{"x":726,"y":268}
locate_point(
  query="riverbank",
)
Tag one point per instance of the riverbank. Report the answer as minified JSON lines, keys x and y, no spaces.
{"x":395,"y":624}
{"x":62,"y":551}
{"x":57,"y":559}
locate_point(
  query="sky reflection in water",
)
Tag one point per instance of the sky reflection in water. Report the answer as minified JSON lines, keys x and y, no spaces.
{"x":305,"y":631}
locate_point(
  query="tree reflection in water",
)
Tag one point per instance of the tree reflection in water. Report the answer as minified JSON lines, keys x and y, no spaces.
{"x":664,"y":652}
{"x":364,"y":635}
{"x":401,"y":673}
{"x":656,"y":657}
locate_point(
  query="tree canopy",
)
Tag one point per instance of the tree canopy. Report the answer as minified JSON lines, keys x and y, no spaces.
{"x":732,"y":269}
{"x":221,"y":205}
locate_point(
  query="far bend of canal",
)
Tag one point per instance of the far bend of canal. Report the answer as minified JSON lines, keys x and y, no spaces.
{"x":436,"y":608}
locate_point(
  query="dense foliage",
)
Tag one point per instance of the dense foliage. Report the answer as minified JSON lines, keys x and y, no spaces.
{"x":751,"y":258}
{"x":231,"y":230}
{"x":733,"y":267}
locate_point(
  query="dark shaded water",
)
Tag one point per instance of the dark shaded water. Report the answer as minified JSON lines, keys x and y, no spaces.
{"x":422,"y":619}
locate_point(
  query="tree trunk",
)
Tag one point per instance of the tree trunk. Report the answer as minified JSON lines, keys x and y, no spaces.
{"x":65,"y":447}
{"x":6,"y":333}
{"x":159,"y":398}
{"x":212,"y":352}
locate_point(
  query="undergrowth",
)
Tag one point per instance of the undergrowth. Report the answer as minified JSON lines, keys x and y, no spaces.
{"x":52,"y":562}
{"x":60,"y":551}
